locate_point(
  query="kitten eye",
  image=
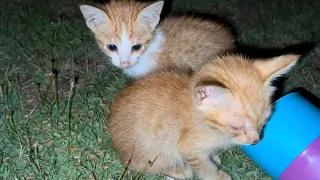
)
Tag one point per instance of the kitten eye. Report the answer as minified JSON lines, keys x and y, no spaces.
{"x":137,"y":47}
{"x":235,"y":128}
{"x":112,"y":47}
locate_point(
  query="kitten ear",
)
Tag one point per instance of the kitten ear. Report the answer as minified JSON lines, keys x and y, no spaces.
{"x":212,"y":95}
{"x":95,"y":18}
{"x":275,"y":67}
{"x":150,"y":16}
{"x":218,"y":104}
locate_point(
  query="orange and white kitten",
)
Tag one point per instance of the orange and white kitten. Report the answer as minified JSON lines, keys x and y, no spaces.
{"x":128,"y":32}
{"x":169,"y":123}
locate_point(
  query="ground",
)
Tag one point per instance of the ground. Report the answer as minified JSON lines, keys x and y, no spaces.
{"x":56,"y":86}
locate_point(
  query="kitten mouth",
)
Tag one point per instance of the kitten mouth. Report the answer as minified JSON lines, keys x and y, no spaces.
{"x":127,"y":67}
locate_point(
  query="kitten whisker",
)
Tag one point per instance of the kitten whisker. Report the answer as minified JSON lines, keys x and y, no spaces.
{"x":270,"y":106}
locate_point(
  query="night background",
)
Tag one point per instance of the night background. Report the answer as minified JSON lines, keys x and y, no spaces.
{"x":56,"y":86}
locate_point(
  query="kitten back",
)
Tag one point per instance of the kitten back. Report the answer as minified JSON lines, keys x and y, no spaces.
{"x":174,"y":120}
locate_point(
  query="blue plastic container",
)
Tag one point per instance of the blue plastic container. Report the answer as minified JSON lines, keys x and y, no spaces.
{"x":293,"y":126}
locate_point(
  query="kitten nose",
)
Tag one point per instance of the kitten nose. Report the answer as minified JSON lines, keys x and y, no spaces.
{"x":254,"y":138}
{"x":254,"y":142}
{"x":125,"y":64}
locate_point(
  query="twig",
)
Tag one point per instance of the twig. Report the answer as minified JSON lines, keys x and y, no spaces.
{"x":59,"y":115}
{"x":1,"y":92}
{"x":30,"y":115}
{"x":124,"y":171}
{"x":140,"y":176}
{"x":152,"y":162}
{"x":19,"y":90}
{"x":35,"y":166}
{"x":53,"y":51}
{"x":86,"y":56}
{"x":40,"y":95}
{"x":54,"y":78}
{"x":13,"y":127}
{"x":71,"y":95}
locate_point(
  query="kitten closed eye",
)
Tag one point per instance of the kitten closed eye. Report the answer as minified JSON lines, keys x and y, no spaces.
{"x":235,"y":128}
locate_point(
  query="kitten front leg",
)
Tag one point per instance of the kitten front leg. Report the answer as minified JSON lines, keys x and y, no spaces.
{"x":184,"y":172}
{"x":205,"y":169}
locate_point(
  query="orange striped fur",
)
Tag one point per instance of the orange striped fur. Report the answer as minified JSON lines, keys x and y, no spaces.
{"x":169,"y":123}
{"x":177,"y":42}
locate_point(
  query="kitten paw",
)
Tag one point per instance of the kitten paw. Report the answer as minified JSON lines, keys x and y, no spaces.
{"x":224,"y":176}
{"x":184,"y":173}
{"x":216,"y":159}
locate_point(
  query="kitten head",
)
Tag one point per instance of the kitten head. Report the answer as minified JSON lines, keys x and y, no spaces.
{"x":233,"y":94}
{"x":123,"y":29}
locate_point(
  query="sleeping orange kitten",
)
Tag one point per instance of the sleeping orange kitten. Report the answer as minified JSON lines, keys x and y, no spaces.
{"x":128,"y":32}
{"x":169,"y":123}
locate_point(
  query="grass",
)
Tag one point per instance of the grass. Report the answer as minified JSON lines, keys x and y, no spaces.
{"x":56,"y":87}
